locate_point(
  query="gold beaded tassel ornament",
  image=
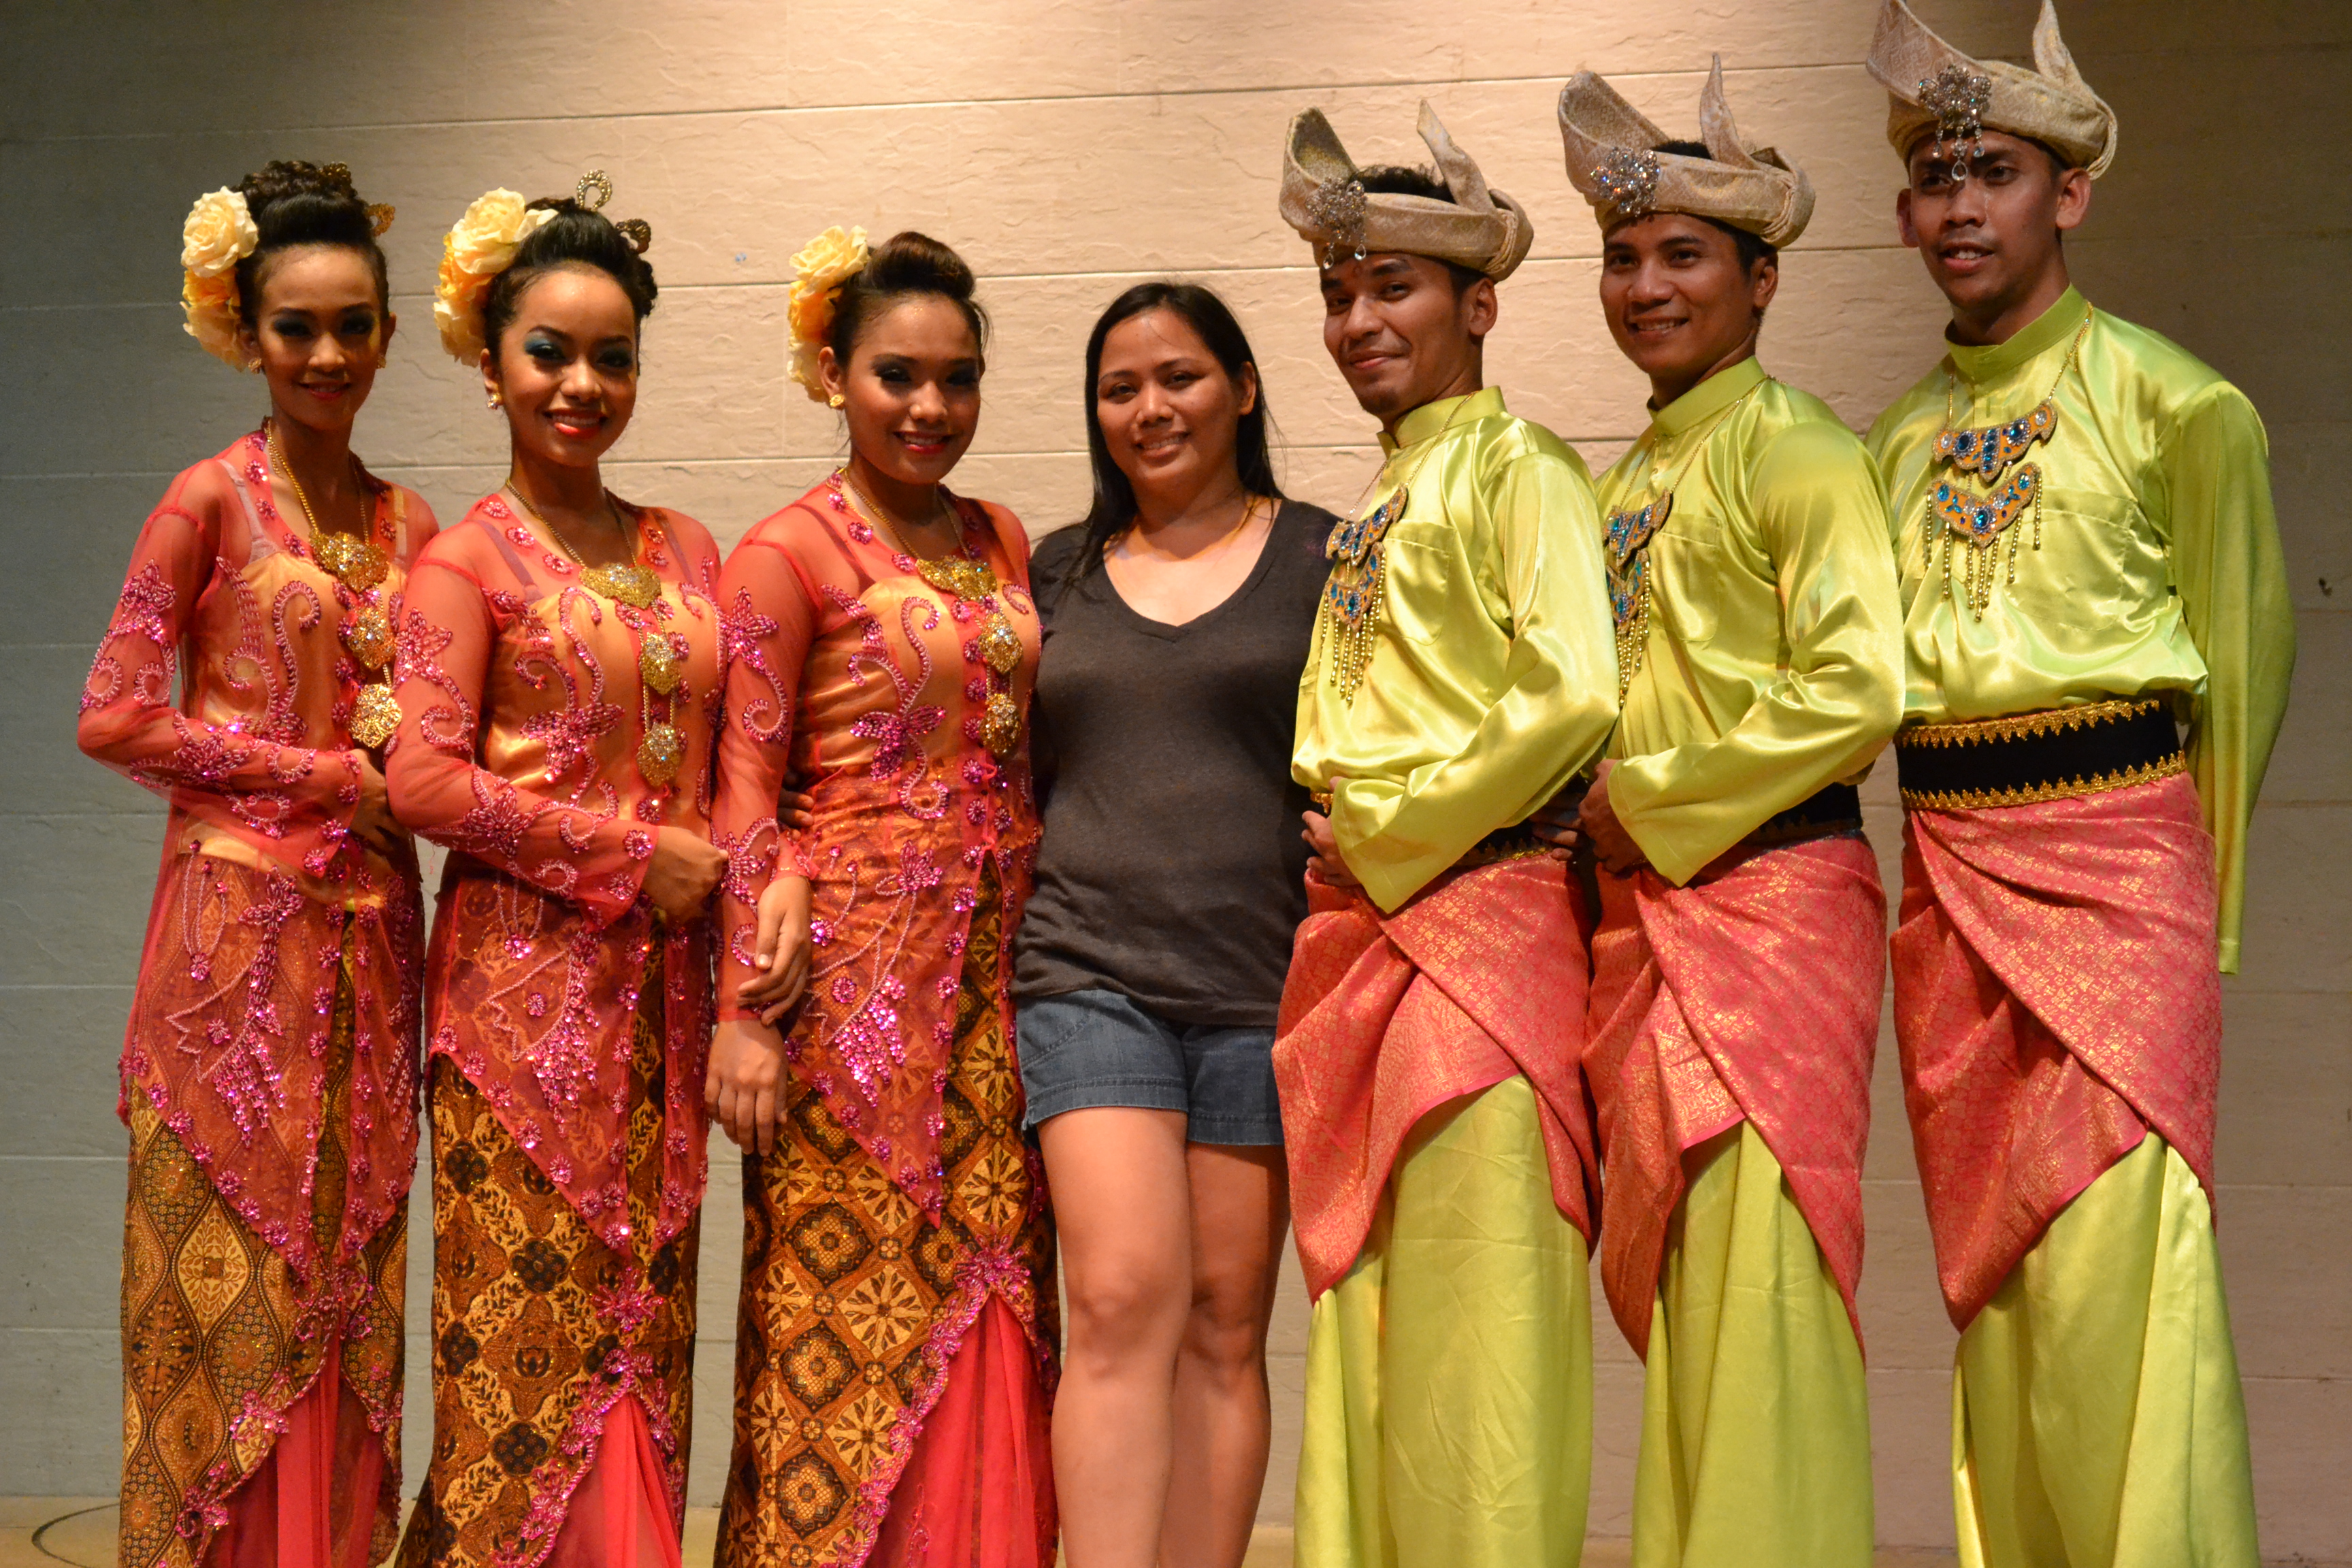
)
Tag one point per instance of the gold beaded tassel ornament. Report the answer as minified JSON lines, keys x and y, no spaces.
{"x":1960,"y":515}
{"x":1352,"y":597}
{"x":360,"y":565}
{"x":661,"y":662}
{"x":1628,"y":536}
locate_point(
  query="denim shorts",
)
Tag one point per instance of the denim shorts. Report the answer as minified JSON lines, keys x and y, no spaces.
{"x":1084,"y":1050}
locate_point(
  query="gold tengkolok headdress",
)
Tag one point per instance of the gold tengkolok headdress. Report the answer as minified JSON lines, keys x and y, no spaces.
{"x":1935,"y":90}
{"x":1323,"y":197}
{"x":1612,"y":160}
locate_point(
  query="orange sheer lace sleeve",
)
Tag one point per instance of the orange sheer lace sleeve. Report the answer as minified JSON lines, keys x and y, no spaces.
{"x":463,"y":612}
{"x":272,"y":777}
{"x":770,"y":618}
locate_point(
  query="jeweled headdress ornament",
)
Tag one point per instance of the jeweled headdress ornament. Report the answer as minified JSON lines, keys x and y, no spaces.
{"x":483,"y":243}
{"x":1323,"y":197}
{"x":1613,"y":162}
{"x":1934,"y":89}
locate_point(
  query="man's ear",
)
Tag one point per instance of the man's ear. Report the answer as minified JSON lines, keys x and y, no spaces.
{"x":1763,"y":283}
{"x":2074,"y":199}
{"x":1905,"y":230}
{"x":1480,"y":307}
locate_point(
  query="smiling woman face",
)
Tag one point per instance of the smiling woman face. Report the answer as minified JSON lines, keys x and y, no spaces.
{"x":1170,"y":413}
{"x":911,"y":389}
{"x":566,"y":370}
{"x":319,"y":331}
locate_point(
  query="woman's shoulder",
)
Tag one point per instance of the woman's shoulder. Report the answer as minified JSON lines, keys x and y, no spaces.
{"x":1051,"y":555}
{"x":206,"y":491}
{"x":1304,"y":528}
{"x":688,"y":537}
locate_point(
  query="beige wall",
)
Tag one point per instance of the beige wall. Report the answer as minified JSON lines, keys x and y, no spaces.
{"x":1068,"y":149}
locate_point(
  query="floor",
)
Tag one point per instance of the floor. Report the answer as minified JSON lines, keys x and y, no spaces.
{"x":35,"y":1533}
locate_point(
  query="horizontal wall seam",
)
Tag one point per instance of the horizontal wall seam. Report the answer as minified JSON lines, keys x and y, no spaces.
{"x":1140,"y":96}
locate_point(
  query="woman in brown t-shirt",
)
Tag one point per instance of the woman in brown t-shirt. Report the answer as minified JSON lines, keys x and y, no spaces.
{"x":1151,"y":955}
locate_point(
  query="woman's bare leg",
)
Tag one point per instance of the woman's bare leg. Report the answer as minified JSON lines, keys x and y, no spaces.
{"x":1122,"y":1206}
{"x":1240,"y":1210}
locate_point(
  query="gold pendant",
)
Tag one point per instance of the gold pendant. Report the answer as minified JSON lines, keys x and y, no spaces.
{"x":368,"y":637}
{"x":960,"y":575}
{"x":1979,"y":522}
{"x":358,"y":564}
{"x":1627,"y":560}
{"x":375,"y":716}
{"x":658,"y":665}
{"x":635,"y":586}
{"x":1000,"y":725}
{"x":660,"y":752}
{"x":1353,"y":593}
{"x":999,"y":644}
{"x":1987,"y":450}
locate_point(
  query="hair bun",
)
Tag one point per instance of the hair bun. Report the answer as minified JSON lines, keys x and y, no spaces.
{"x":284,"y":179}
{"x":913,"y":263}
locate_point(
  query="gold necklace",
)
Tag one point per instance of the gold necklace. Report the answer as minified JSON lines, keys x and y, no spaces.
{"x":1224,"y":541}
{"x":360,"y":565}
{"x":974,"y":583}
{"x":1356,"y":589}
{"x":1627,"y":535}
{"x":632,"y":584}
{"x":1979,"y":519}
{"x":661,"y":663}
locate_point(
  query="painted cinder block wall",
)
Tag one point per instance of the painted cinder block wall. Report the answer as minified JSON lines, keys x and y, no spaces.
{"x":1068,"y":149}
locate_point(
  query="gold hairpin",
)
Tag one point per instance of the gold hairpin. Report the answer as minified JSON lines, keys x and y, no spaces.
{"x":594,"y":180}
{"x":380,"y":216}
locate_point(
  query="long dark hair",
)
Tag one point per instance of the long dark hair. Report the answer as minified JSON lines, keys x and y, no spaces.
{"x":1113,"y":506}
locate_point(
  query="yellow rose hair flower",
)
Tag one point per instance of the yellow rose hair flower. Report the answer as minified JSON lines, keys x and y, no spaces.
{"x":479,"y":247}
{"x":218,"y":235}
{"x":823,"y":266}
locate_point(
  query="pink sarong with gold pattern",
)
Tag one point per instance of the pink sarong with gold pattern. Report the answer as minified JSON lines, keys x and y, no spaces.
{"x":2056,"y":996}
{"x":1385,"y":1018}
{"x":1750,"y":994}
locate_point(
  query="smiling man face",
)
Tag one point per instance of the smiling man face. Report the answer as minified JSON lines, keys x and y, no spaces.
{"x":1406,"y":330}
{"x":1990,"y":228}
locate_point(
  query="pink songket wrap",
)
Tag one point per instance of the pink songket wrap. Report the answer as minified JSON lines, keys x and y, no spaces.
{"x":1750,"y":994}
{"x":2056,"y":995}
{"x":1385,"y":1018}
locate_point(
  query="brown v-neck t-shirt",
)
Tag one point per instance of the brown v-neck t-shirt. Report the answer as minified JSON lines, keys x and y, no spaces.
{"x":1171,"y":870}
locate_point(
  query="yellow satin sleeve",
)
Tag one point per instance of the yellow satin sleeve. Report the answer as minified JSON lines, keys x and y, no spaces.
{"x":2159,"y":568}
{"x":1493,"y":677}
{"x":1774,"y":660}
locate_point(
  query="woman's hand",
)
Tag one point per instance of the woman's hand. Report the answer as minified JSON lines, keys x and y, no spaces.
{"x":372,"y":823}
{"x":744,"y":1089}
{"x":683,"y":871}
{"x":793,"y":804}
{"x":780,"y":951}
{"x":1618,"y":854}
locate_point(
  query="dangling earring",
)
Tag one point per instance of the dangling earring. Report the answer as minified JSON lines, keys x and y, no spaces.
{"x":835,"y":400}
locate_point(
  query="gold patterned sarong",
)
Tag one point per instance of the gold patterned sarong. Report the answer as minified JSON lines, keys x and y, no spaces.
{"x":856,"y":1306}
{"x":540,"y":1329}
{"x":221,"y":1336}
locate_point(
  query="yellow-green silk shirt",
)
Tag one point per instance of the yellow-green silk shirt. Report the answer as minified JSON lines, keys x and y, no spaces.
{"x":2159,"y":569}
{"x":1773,"y":665}
{"x":1492,"y":676}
